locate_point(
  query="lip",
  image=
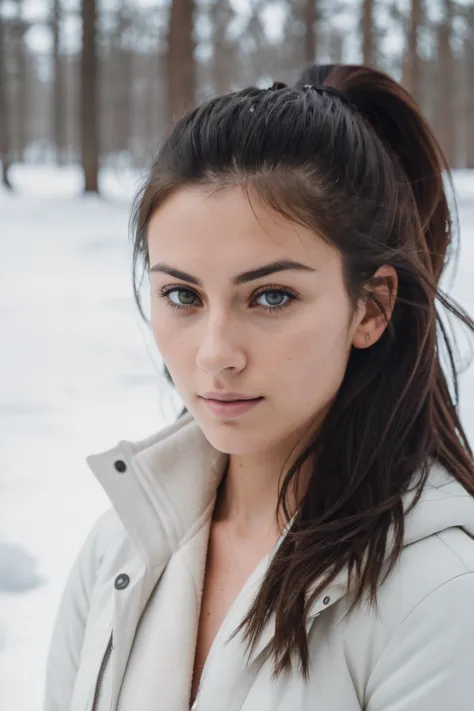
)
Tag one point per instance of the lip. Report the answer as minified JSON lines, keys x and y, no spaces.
{"x":227,"y":396}
{"x":221,"y":408}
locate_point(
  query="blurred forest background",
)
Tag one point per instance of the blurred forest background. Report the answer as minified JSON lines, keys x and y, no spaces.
{"x":97,"y":82}
{"x":87,"y":90}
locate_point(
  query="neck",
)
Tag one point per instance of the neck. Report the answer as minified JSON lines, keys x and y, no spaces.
{"x":248,"y":496}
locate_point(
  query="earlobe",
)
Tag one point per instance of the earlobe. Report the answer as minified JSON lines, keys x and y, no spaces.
{"x":362,"y":338}
{"x":368,"y":333}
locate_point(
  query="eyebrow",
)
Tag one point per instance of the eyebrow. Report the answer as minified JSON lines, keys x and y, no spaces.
{"x":257,"y":273}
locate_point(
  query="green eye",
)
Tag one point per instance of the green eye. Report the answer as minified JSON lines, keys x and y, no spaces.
{"x":186,"y":301}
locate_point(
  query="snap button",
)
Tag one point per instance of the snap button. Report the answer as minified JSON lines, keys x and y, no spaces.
{"x":120,"y":466}
{"x":326,"y":600}
{"x":121,"y":581}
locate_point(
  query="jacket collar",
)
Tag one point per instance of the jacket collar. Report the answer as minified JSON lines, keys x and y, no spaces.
{"x":168,"y":486}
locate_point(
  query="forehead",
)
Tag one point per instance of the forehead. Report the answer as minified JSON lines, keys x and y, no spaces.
{"x":204,"y":229}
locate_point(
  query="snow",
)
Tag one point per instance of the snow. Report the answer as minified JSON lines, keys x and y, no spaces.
{"x":79,"y":371}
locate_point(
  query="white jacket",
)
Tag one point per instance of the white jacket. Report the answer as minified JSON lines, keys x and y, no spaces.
{"x":126,"y":628}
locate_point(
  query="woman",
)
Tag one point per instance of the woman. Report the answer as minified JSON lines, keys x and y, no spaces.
{"x":302,"y":538}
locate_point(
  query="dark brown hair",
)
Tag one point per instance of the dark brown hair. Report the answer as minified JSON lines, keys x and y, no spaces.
{"x":364,"y":170}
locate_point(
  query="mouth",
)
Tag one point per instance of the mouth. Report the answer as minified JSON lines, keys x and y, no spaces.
{"x":231,"y":408}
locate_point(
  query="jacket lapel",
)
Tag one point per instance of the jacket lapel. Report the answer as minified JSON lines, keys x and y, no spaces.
{"x":163,"y":489}
{"x":161,"y":659}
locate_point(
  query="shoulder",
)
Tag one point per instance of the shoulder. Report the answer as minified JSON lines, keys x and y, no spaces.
{"x":435,"y":571}
{"x":425,"y":627}
{"x":425,"y":566}
{"x":439,"y":544}
{"x":422,"y":626}
{"x":439,"y":547}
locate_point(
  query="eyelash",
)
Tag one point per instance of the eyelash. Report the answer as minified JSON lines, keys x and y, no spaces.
{"x":166,"y":290}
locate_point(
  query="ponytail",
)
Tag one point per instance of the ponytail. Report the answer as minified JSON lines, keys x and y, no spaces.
{"x":407,"y":136}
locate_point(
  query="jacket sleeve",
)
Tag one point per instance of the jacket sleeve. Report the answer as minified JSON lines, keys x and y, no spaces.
{"x":68,"y":632}
{"x":428,"y":665}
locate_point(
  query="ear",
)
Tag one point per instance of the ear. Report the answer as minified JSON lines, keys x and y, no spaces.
{"x":376,"y":307}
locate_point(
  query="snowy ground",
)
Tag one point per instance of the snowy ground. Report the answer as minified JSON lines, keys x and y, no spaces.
{"x":78,"y":372}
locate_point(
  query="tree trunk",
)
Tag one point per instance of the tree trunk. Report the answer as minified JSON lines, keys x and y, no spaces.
{"x":368,"y":32}
{"x":21,"y":82}
{"x":59,"y":138}
{"x":469,"y":90}
{"x":124,"y":102}
{"x":117,"y":78}
{"x":445,"y":93}
{"x":181,"y":68}
{"x":310,"y":31}
{"x":89,"y":113}
{"x":336,"y":46}
{"x":223,"y":59}
{"x":411,"y":66}
{"x":125,"y":73}
{"x":4,"y":105}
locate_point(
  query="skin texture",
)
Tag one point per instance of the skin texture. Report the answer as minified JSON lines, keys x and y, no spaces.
{"x":224,"y":339}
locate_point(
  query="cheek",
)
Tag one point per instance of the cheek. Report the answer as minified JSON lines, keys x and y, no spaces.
{"x":159,"y":330}
{"x":315,"y":356}
{"x":167,"y":337}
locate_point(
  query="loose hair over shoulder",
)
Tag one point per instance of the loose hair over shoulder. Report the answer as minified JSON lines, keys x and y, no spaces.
{"x":366,"y":172}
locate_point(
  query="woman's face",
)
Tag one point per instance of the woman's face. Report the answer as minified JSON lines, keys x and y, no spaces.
{"x":284,"y":337}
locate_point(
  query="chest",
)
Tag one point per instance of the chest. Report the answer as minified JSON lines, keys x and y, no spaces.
{"x":229,"y":564}
{"x":336,"y":683}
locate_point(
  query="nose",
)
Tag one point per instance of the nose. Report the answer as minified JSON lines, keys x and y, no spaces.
{"x":218,"y":349}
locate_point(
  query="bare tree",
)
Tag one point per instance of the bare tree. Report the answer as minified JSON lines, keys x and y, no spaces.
{"x":445,"y":93}
{"x":181,"y":72}
{"x":336,"y":45}
{"x":367,"y":22}
{"x":118,"y":86}
{"x":411,"y":66}
{"x":4,"y":105}
{"x":299,"y":46}
{"x":469,"y":88}
{"x":58,"y":117}
{"x":21,"y":114}
{"x":89,"y":112}
{"x":254,"y":56}
{"x":223,"y":60}
{"x":311,"y":17}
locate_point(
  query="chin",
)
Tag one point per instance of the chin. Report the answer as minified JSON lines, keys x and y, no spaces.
{"x":231,"y":437}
